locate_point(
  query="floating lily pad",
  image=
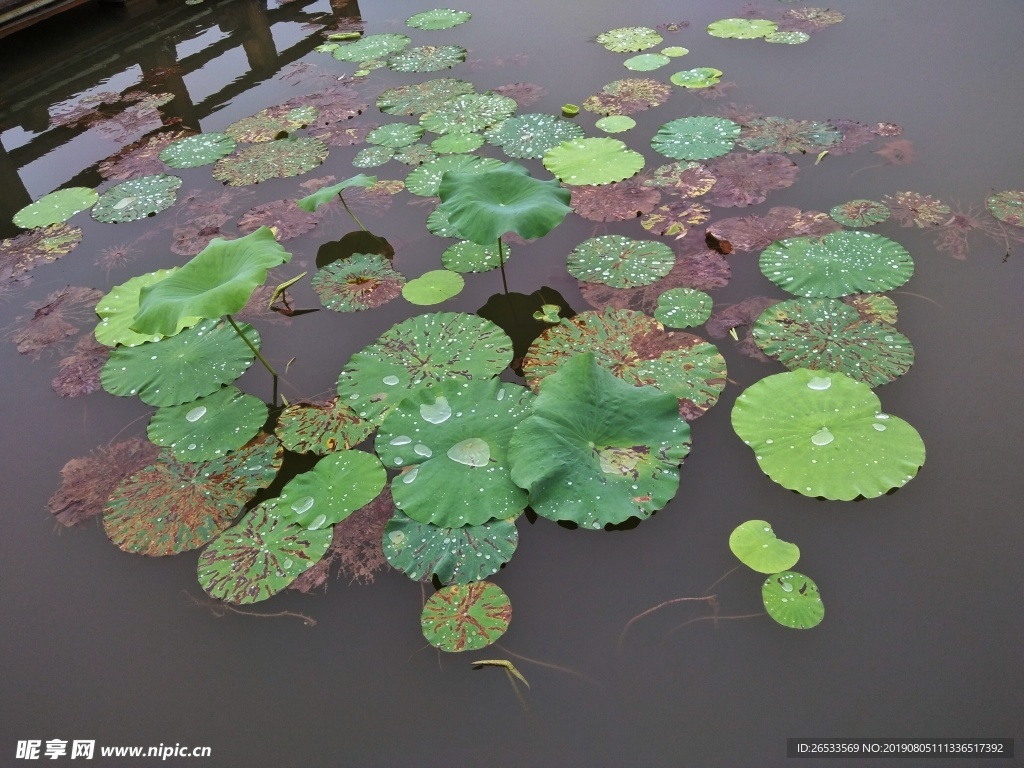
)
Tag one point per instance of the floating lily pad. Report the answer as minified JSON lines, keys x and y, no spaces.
{"x":627,"y":96}
{"x":21,"y":253}
{"x":779,"y":134}
{"x":860,"y":213}
{"x":592,"y":161}
{"x":422,"y":351}
{"x":362,"y":281}
{"x":646,"y":62}
{"x":747,"y":178}
{"x":136,"y":199}
{"x":472,"y":257}
{"x":427,"y":58}
{"x":175,"y":370}
{"x":615,"y":123}
{"x":755,"y":233}
{"x":874,"y":307}
{"x":742,"y":29}
{"x":597,"y":450}
{"x":321,"y":428}
{"x":686,"y":179}
{"x":417,"y":98}
{"x":675,"y":51}
{"x":171,"y":506}
{"x":267,"y":124}
{"x":683,"y":308}
{"x":829,"y":335}
{"x":792,"y":600}
{"x":625,"y":39}
{"x":451,"y":441}
{"x":395,"y":135}
{"x":371,"y":47}
{"x":371,"y":157}
{"x":56,"y":207}
{"x":270,"y":160}
{"x":837,"y":264}
{"x":699,"y":77}
{"x":438,"y":18}
{"x":787,"y":37}
{"x":337,"y":486}
{"x":675,"y":219}
{"x":284,"y":216}
{"x":617,"y":201}
{"x":426,"y":180}
{"x":824,"y":434}
{"x":438,"y":224}
{"x":530,"y":136}
{"x":415,"y":154}
{"x":466,"y":617}
{"x":208,"y":427}
{"x":620,"y":262}
{"x":696,"y":138}
{"x":195,"y":151}
{"x":433,"y":287}
{"x":1007,"y":206}
{"x":455,"y":555}
{"x":259,"y":557}
{"x":471,"y":112}
{"x":755,"y":545}
{"x":118,"y":308}
{"x":326,"y":195}
{"x":457,"y":143}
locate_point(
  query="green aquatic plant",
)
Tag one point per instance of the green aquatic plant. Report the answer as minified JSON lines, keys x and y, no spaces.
{"x":433,"y":287}
{"x":792,"y":599}
{"x":311,"y":203}
{"x":592,"y":161}
{"x":337,"y":486}
{"x":56,"y":207}
{"x":208,"y":427}
{"x":756,"y":546}
{"x":696,"y":138}
{"x":466,"y":617}
{"x":438,"y":18}
{"x":321,"y":428}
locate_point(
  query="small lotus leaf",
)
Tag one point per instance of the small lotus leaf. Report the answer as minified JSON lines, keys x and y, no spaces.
{"x":615,"y":123}
{"x":755,"y":545}
{"x":136,"y":198}
{"x":56,"y":207}
{"x":457,"y":143}
{"x":371,"y":157}
{"x":620,"y":262}
{"x":208,"y":427}
{"x":466,"y":617}
{"x":415,"y":154}
{"x":683,"y":308}
{"x":592,"y":161}
{"x":329,"y":194}
{"x":118,"y":308}
{"x":363,"y":281}
{"x":337,"y":486}
{"x":471,"y":257}
{"x":788,"y":37}
{"x":471,"y":112}
{"x":321,"y":428}
{"x":438,"y":18}
{"x":625,"y":39}
{"x":270,"y":160}
{"x":792,"y":600}
{"x":742,"y":29}
{"x":627,"y":96}
{"x":700,"y":77}
{"x":417,"y":98}
{"x":530,"y":136}
{"x":426,"y":180}
{"x":646,"y":62}
{"x":824,"y":434}
{"x":433,"y":287}
{"x":259,"y":557}
{"x":675,"y":51}
{"x":194,"y":151}
{"x":427,"y":58}
{"x":860,"y":213}
{"x":371,"y":47}
{"x":696,"y":138}
{"x":912,"y":209}
{"x":1007,"y":206}
{"x":395,"y":135}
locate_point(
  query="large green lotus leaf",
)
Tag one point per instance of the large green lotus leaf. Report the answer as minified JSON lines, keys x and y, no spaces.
{"x":321,"y":428}
{"x":198,"y":150}
{"x":362,"y":281}
{"x":118,"y":308}
{"x":422,"y":351}
{"x":683,"y":308}
{"x":259,"y":556}
{"x":1007,"y":206}
{"x":180,"y":368}
{"x":592,"y":161}
{"x":696,"y":138}
{"x":438,"y":18}
{"x":829,"y":335}
{"x":755,"y":545}
{"x":270,"y":160}
{"x":218,"y":281}
{"x":471,"y":257}
{"x":639,"y":350}
{"x":427,"y":58}
{"x":471,"y":112}
{"x":485,"y":205}
{"x":171,"y":506}
{"x":792,"y":600}
{"x":700,"y":77}
{"x":824,"y":434}
{"x":466,"y":617}
{"x":337,"y":486}
{"x":625,"y":39}
{"x":838,"y":264}
{"x":56,"y":207}
{"x":455,"y":555}
{"x":208,"y":427}
{"x":742,"y":29}
{"x":620,"y":262}
{"x":327,"y":195}
{"x":598,"y":450}
{"x":395,"y":135}
{"x":136,"y":198}
{"x":371,"y":47}
{"x":530,"y":136}
{"x":452,"y":441}
{"x":433,"y":287}
{"x":426,"y":180}
{"x":417,"y":98}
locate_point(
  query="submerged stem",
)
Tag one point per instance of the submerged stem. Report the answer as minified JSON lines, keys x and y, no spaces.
{"x":357,"y":221}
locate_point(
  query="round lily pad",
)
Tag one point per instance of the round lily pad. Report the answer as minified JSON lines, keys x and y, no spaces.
{"x":23,"y":252}
{"x":755,"y":545}
{"x":646,"y":62}
{"x":56,"y":207}
{"x":427,"y":58}
{"x":685,"y":179}
{"x":620,"y":262}
{"x":675,"y":51}
{"x":337,"y":486}
{"x":466,"y":617}
{"x":362,"y":281}
{"x":321,"y":428}
{"x":779,"y":134}
{"x":136,"y":198}
{"x":683,"y":308}
{"x":371,"y":157}
{"x":792,"y":600}
{"x":426,"y":180}
{"x":626,"y":39}
{"x":371,"y":47}
{"x":194,"y":151}
{"x":117,"y":311}
{"x":742,"y":29}
{"x":438,"y":18}
{"x":787,"y":37}
{"x":269,"y":160}
{"x":824,"y":434}
{"x":208,"y":427}
{"x":699,"y":77}
{"x":471,"y":257}
{"x":532,"y":135}
{"x":415,"y":154}
{"x":268,"y":124}
{"x":417,"y":98}
{"x":259,"y":557}
{"x":696,"y":138}
{"x":433,"y":287}
{"x":592,"y":161}
{"x":471,"y":112}
{"x":615,"y":123}
{"x":395,"y":135}
{"x":1007,"y":206}
{"x":860,"y":213}
{"x":837,"y":264}
{"x":627,"y":96}
{"x":457,"y":143}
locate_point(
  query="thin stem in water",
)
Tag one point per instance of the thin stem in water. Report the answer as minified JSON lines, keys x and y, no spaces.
{"x":501,"y":263}
{"x":357,"y":221}
{"x":255,"y":352}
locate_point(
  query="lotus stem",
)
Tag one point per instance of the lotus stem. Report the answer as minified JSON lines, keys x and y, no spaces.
{"x":255,"y":352}
{"x":357,"y":221}
{"x":501,"y":263}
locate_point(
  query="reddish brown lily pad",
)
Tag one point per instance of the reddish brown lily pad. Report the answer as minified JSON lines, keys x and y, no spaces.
{"x":522,"y":94}
{"x":80,"y":371}
{"x":141,"y":158}
{"x":362,"y":281}
{"x":194,"y":236}
{"x":617,"y":201}
{"x":746,"y":179}
{"x":755,"y":233}
{"x":675,"y":219}
{"x":685,"y":179}
{"x":286,"y":218}
{"x":628,"y":96}
{"x":21,"y":253}
{"x":912,"y":209}
{"x":50,"y":322}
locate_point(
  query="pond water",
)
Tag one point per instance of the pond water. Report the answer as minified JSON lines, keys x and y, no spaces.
{"x":922,"y":587}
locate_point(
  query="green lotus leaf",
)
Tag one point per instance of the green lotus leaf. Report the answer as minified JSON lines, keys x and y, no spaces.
{"x":136,"y":198}
{"x":829,"y":335}
{"x":395,"y":135}
{"x":451,"y":440}
{"x":267,"y":124}
{"x":620,"y":262}
{"x":337,"y":486}
{"x":755,"y":545}
{"x":615,"y":123}
{"x":421,"y":351}
{"x":175,"y":370}
{"x":321,"y":428}
{"x":208,"y":427}
{"x":170,"y":506}
{"x":415,"y":154}
{"x":329,"y":194}
{"x":471,"y":112}
{"x":625,"y":39}
{"x":259,"y":557}
{"x":362,"y":281}
{"x":438,"y":224}
{"x":874,"y":307}
{"x":788,"y":37}
{"x":792,"y":600}
{"x":592,"y":161}
{"x":270,"y":160}
{"x":646,"y":62}
{"x":438,"y":18}
{"x":531,"y":135}
{"x":426,"y":180}
{"x":371,"y":157}
{"x":457,"y":143}
{"x":198,"y":150}
{"x":218,"y":281}
{"x":466,"y":617}
{"x":700,"y":77}
{"x":433,"y":287}
{"x":859,"y":213}
{"x":683,"y":308}
{"x":1007,"y":206}
{"x":371,"y":47}
{"x":118,"y":308}
{"x":417,"y":98}
{"x":636,"y":348}
{"x":675,"y":51}
{"x":455,"y":555}
{"x":824,"y":434}
{"x":597,"y":450}
{"x":471,"y":257}
{"x":484,"y":205}
{"x":56,"y":207}
{"x":742,"y":29}
{"x":779,"y":134}
{"x":837,"y":264}
{"x":696,"y":138}
{"x":427,"y":58}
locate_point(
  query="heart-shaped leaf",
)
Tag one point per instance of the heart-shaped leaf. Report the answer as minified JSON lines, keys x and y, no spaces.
{"x":755,"y":545}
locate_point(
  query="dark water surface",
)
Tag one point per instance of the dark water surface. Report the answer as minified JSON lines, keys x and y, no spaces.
{"x":923,"y":588}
